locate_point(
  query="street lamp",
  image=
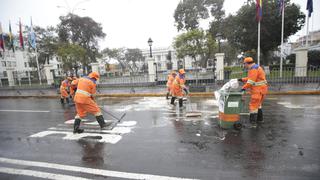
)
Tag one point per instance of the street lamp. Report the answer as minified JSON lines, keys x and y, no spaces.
{"x":150,"y":44}
{"x":219,"y":37}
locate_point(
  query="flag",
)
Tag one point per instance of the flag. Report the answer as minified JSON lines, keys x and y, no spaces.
{"x":11,"y":37}
{"x":1,"y":39}
{"x":20,"y":35}
{"x":32,"y":37}
{"x":258,"y":10}
{"x":281,"y":6}
{"x":310,"y":7}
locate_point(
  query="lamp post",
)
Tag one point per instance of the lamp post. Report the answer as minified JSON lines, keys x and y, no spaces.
{"x":150,"y":44}
{"x":219,"y":37}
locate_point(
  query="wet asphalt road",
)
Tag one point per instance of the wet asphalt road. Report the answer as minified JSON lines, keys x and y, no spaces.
{"x":156,"y":139}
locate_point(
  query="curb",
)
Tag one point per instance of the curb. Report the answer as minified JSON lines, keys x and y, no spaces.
{"x":195,"y":94}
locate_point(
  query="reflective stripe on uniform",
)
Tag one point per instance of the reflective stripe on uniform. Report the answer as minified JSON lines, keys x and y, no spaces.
{"x":83,"y":92}
{"x":260,"y":83}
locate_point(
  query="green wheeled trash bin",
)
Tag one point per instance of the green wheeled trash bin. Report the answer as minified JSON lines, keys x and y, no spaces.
{"x":230,"y":106}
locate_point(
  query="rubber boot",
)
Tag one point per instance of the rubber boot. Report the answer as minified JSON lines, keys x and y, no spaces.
{"x":260,"y":116}
{"x":180,"y":103}
{"x":167,"y":95}
{"x":62,"y":100}
{"x":67,"y":100}
{"x":253,"y":120}
{"x":76,"y":126}
{"x":172,"y":100}
{"x":102,"y":123}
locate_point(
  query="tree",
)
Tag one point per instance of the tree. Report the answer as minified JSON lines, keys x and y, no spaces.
{"x":188,"y":13}
{"x":134,"y":56}
{"x":241,"y":29}
{"x":196,"y":44}
{"x":118,"y":54}
{"x":82,"y":31}
{"x":314,"y":58}
{"x":71,"y":55}
{"x":47,"y":43}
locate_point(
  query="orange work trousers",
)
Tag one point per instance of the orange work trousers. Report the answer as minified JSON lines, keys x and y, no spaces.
{"x":256,"y":101}
{"x":90,"y":107}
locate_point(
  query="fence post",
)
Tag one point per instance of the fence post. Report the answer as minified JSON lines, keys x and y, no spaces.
{"x":219,"y":65}
{"x":10,"y":76}
{"x":151,"y":69}
{"x":301,"y":62}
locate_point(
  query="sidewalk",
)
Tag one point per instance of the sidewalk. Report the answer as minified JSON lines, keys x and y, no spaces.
{"x":160,"y":90}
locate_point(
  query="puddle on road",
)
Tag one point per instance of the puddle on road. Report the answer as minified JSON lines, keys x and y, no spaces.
{"x":291,"y":106}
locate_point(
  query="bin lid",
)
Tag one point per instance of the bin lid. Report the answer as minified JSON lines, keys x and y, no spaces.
{"x":230,"y":93}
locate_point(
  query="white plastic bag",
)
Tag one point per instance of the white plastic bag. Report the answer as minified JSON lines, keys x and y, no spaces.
{"x":232,"y":84}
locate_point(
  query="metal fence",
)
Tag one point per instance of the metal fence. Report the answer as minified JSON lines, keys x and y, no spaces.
{"x":289,"y":76}
{"x":301,"y":75}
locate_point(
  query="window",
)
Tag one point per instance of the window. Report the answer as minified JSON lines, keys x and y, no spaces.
{"x":4,"y":64}
{"x":25,"y":64}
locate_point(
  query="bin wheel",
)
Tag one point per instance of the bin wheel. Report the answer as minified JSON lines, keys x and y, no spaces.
{"x":237,"y":126}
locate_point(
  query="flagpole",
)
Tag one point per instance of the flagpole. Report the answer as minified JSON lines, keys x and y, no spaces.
{"x":38,"y":66}
{"x":282,"y":31}
{"x":259,"y":43}
{"x":307,"y":44}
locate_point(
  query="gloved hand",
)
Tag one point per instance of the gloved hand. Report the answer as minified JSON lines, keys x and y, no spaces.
{"x":242,"y":90}
{"x":240,"y":79}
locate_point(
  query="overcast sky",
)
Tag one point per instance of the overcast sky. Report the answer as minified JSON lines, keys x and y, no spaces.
{"x":127,"y":23}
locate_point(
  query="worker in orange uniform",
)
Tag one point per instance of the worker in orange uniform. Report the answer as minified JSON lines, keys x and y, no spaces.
{"x":257,"y":83}
{"x":65,"y":90}
{"x":171,"y":78}
{"x":178,"y":86}
{"x":85,"y":102}
{"x":73,"y":86}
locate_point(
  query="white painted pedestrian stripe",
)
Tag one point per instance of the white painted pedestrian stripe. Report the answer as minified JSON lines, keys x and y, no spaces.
{"x":90,"y":122}
{"x":105,"y":138}
{"x":16,"y":110}
{"x":116,"y":130}
{"x":38,"y":174}
{"x":99,"y":172}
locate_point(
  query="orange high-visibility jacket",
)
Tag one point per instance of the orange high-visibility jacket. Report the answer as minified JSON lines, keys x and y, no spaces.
{"x":85,"y":90}
{"x":64,"y":88}
{"x":73,"y":86}
{"x":256,"y":80}
{"x":178,"y":85}
{"x":170,"y":80}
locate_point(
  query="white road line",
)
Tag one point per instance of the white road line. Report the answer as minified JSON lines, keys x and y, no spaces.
{"x":99,"y":172}
{"x":106,"y":138}
{"x":16,"y":110}
{"x":38,"y":174}
{"x":116,"y":130}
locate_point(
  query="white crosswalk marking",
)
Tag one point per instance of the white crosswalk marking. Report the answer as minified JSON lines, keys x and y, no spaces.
{"x":99,"y":172}
{"x":38,"y":174}
{"x":105,"y":136}
{"x":16,"y":110}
